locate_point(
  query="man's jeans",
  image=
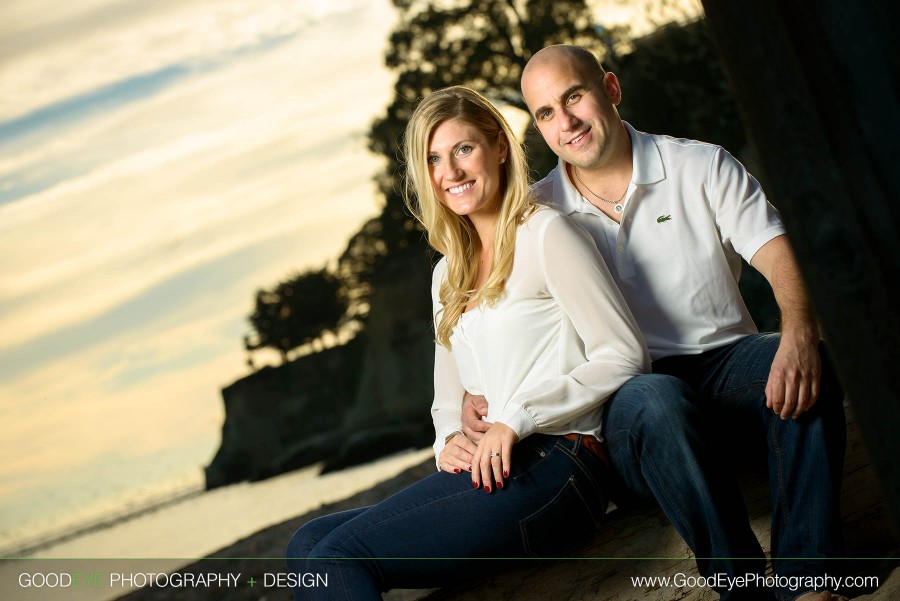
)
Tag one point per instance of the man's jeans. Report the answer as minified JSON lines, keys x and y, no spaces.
{"x":675,"y":443}
{"x":554,"y":498}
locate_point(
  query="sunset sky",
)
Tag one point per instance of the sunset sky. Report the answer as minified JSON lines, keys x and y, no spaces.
{"x":159,"y":162}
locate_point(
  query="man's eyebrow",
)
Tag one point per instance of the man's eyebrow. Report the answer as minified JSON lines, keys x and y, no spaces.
{"x":573,"y":88}
{"x":566,"y":93}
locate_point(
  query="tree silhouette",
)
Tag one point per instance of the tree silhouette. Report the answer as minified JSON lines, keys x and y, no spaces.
{"x":297,"y":311}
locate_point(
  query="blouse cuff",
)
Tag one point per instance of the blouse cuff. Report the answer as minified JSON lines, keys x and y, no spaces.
{"x":516,"y":417}
{"x":440,"y":442}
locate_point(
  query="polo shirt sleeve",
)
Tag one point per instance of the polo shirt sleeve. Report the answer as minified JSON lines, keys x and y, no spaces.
{"x":746,"y":219}
{"x":446,"y":408}
{"x":580,"y":282}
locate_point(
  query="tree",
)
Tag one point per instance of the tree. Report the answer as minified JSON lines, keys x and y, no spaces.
{"x":297,"y":311}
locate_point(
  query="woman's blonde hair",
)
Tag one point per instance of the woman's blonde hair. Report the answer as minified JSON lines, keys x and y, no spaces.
{"x":450,"y":234}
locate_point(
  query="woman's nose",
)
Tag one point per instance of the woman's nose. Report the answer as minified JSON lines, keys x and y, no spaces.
{"x":453,"y":171}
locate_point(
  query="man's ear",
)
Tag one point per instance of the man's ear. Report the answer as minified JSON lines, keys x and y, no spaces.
{"x":612,"y":87}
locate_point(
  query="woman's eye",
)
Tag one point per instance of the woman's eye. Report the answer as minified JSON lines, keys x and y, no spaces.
{"x":464,"y":150}
{"x":433,"y":160}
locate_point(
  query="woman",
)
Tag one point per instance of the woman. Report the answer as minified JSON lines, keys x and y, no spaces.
{"x":526,"y":313}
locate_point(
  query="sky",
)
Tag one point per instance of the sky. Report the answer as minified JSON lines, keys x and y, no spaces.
{"x":159,"y":163}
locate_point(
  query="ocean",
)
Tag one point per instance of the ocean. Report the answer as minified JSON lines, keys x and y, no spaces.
{"x":169,"y":535}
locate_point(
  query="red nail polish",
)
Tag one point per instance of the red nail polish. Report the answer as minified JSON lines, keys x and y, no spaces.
{"x":506,"y":474}
{"x":474,"y":484}
{"x":499,"y":485}
{"x":470,"y":468}
{"x":487,"y":489}
{"x":456,"y":470}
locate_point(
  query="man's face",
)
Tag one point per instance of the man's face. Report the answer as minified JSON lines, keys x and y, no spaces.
{"x":573,"y":110}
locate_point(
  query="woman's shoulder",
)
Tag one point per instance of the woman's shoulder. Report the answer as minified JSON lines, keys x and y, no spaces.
{"x":540,"y":218}
{"x":545,"y":219}
{"x":438,"y":273}
{"x":439,"y":270}
{"x":551,"y":231}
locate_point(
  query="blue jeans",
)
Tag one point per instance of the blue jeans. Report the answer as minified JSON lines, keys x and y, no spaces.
{"x":658,"y":439}
{"x":554,"y":499}
{"x":687,"y":437}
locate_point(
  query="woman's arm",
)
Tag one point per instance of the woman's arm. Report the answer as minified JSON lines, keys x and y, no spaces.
{"x":579,"y":280}
{"x":448,"y":389}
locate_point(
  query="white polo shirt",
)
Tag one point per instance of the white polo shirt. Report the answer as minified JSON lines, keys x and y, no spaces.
{"x":691,"y":212}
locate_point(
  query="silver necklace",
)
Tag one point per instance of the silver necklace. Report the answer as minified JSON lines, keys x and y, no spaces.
{"x":618,"y":206}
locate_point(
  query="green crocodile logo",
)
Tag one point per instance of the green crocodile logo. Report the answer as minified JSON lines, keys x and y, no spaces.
{"x":663,"y":218}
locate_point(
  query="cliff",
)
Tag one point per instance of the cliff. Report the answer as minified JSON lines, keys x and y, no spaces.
{"x":345,"y":405}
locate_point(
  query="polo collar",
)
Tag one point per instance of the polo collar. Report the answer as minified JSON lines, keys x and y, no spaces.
{"x":646,"y":160}
{"x":647,"y":168}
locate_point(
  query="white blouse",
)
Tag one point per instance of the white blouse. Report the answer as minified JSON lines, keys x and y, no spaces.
{"x":553,"y":348}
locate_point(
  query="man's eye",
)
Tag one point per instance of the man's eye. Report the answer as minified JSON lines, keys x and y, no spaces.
{"x":574,"y":98}
{"x":543,"y":116}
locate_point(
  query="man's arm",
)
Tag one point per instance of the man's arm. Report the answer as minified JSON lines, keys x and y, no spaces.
{"x":473,"y":409}
{"x":793,"y":385}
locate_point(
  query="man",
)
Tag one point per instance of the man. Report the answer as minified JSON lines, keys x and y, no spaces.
{"x":673,"y":218}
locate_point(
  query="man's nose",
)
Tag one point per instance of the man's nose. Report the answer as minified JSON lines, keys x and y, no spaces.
{"x":567,"y":120}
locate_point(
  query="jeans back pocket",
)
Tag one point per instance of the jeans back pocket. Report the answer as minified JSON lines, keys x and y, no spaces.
{"x":562,"y":524}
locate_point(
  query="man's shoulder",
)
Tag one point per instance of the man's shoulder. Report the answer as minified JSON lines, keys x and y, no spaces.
{"x":684,"y":147}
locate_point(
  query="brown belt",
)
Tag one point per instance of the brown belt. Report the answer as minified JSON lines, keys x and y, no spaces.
{"x":593,"y":446}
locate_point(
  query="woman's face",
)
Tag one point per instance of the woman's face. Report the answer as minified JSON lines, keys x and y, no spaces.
{"x":465,"y":168}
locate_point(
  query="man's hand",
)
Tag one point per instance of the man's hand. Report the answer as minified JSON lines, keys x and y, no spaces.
{"x":491,"y":461}
{"x":793,"y":385}
{"x":473,"y":409}
{"x":457,"y":455}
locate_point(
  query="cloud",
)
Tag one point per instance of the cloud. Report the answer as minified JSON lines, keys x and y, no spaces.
{"x":216,"y":163}
{"x":161,"y":162}
{"x":89,"y":45}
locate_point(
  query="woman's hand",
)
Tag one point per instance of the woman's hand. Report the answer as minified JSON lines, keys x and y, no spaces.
{"x":457,"y":455}
{"x":491,"y":460}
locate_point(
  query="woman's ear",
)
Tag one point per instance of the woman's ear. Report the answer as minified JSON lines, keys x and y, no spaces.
{"x":503,"y":146}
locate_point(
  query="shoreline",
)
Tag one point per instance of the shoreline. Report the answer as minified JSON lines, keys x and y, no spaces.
{"x":39,"y":543}
{"x":263,"y":551}
{"x":211,"y":526}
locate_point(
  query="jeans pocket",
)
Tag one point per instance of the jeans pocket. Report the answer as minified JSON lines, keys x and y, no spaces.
{"x":562,"y":524}
{"x":530,"y":454}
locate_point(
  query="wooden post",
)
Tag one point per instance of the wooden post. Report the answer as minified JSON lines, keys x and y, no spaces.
{"x":817,"y":85}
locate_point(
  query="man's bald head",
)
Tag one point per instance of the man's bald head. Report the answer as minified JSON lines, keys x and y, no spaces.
{"x":581,"y":60}
{"x":573,"y":103}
